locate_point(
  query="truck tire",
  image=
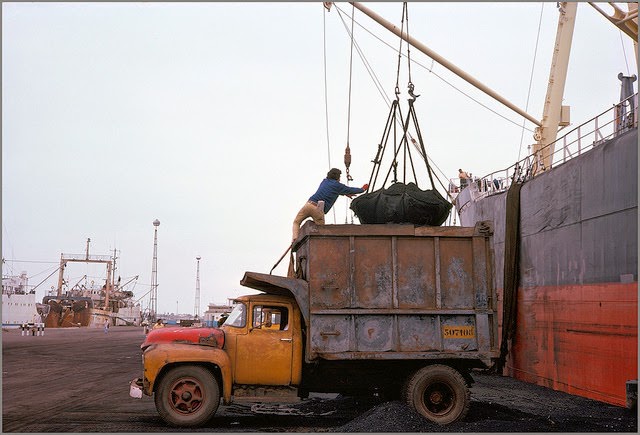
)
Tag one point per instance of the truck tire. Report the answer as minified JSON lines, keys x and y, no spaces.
{"x":187,"y":396}
{"x":439,"y":393}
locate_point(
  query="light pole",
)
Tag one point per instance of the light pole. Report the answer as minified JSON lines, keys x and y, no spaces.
{"x":196,"y":308}
{"x":153,"y":303}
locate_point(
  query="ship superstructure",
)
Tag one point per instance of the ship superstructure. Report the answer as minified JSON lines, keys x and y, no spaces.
{"x":18,"y":301}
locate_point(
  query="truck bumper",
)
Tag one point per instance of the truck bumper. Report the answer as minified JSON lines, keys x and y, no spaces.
{"x":135,"y":388}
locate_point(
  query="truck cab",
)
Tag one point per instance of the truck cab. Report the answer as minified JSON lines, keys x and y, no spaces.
{"x":263,"y":338}
{"x":255,"y":355}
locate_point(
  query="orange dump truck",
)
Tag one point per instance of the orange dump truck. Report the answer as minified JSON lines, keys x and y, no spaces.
{"x":399,"y":310}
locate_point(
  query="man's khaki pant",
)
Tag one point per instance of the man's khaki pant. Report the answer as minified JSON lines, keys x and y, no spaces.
{"x":316,"y":212}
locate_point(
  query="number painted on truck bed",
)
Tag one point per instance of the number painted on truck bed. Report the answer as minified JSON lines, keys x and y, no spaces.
{"x":458,"y":331}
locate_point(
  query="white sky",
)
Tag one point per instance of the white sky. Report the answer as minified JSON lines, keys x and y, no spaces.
{"x":211,"y":118}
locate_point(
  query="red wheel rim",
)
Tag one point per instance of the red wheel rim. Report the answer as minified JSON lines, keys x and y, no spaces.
{"x":186,"y":396}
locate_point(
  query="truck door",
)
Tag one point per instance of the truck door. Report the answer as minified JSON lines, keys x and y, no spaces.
{"x":264,"y":354}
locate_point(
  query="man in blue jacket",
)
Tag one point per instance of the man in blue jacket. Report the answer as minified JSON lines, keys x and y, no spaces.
{"x":321,"y":202}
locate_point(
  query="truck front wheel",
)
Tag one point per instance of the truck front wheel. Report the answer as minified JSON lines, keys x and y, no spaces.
{"x":439,"y":393}
{"x":187,"y":396}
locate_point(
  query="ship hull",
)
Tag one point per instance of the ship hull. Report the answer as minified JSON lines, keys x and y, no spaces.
{"x":68,"y":312}
{"x":576,"y":315}
{"x":580,"y":339}
{"x":64,"y":315}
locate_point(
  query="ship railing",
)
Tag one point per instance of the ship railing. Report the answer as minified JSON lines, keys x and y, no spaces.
{"x":491,"y":184}
{"x":609,"y":124}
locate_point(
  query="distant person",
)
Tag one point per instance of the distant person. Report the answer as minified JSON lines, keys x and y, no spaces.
{"x":159,"y":324}
{"x":464,"y":178}
{"x":106,"y":326}
{"x":321,"y":202}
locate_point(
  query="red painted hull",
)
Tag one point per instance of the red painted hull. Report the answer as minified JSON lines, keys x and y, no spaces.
{"x":580,"y":339}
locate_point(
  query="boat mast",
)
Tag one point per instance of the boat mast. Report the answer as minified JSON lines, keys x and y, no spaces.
{"x":107,"y":289}
{"x":61,"y":274}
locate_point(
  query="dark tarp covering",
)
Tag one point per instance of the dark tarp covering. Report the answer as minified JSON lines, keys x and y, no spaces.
{"x":402,"y":203}
{"x":511,"y":275}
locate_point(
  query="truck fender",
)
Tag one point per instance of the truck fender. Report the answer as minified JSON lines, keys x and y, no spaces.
{"x":158,"y":357}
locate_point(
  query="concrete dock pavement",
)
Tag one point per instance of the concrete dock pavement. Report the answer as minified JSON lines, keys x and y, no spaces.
{"x":77,"y":380}
{"x":72,"y":380}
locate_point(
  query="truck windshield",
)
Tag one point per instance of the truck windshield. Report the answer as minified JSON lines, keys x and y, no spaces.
{"x":238,"y":316}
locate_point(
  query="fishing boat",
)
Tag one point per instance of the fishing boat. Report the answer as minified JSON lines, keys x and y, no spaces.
{"x":565,"y":233}
{"x":18,"y":301}
{"x":89,"y":304}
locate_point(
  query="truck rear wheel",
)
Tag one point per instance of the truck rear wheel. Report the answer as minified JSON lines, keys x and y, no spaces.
{"x":439,"y":393}
{"x":187,"y":396}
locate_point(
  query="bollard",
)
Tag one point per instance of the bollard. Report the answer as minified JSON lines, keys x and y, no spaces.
{"x":631,"y":388}
{"x":42,"y":324}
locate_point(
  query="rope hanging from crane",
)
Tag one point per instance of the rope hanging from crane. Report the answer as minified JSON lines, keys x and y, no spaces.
{"x":347,"y":150}
{"x":402,"y":201}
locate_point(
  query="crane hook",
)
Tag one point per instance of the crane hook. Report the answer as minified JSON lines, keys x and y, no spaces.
{"x":347,"y":161}
{"x":413,"y":96}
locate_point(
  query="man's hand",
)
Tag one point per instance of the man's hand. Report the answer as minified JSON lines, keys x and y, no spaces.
{"x":365,"y":186}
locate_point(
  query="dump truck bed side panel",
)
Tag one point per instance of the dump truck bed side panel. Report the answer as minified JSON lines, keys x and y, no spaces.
{"x":398,"y":292}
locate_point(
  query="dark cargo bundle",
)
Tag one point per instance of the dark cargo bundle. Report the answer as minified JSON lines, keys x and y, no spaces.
{"x":402,"y":203}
